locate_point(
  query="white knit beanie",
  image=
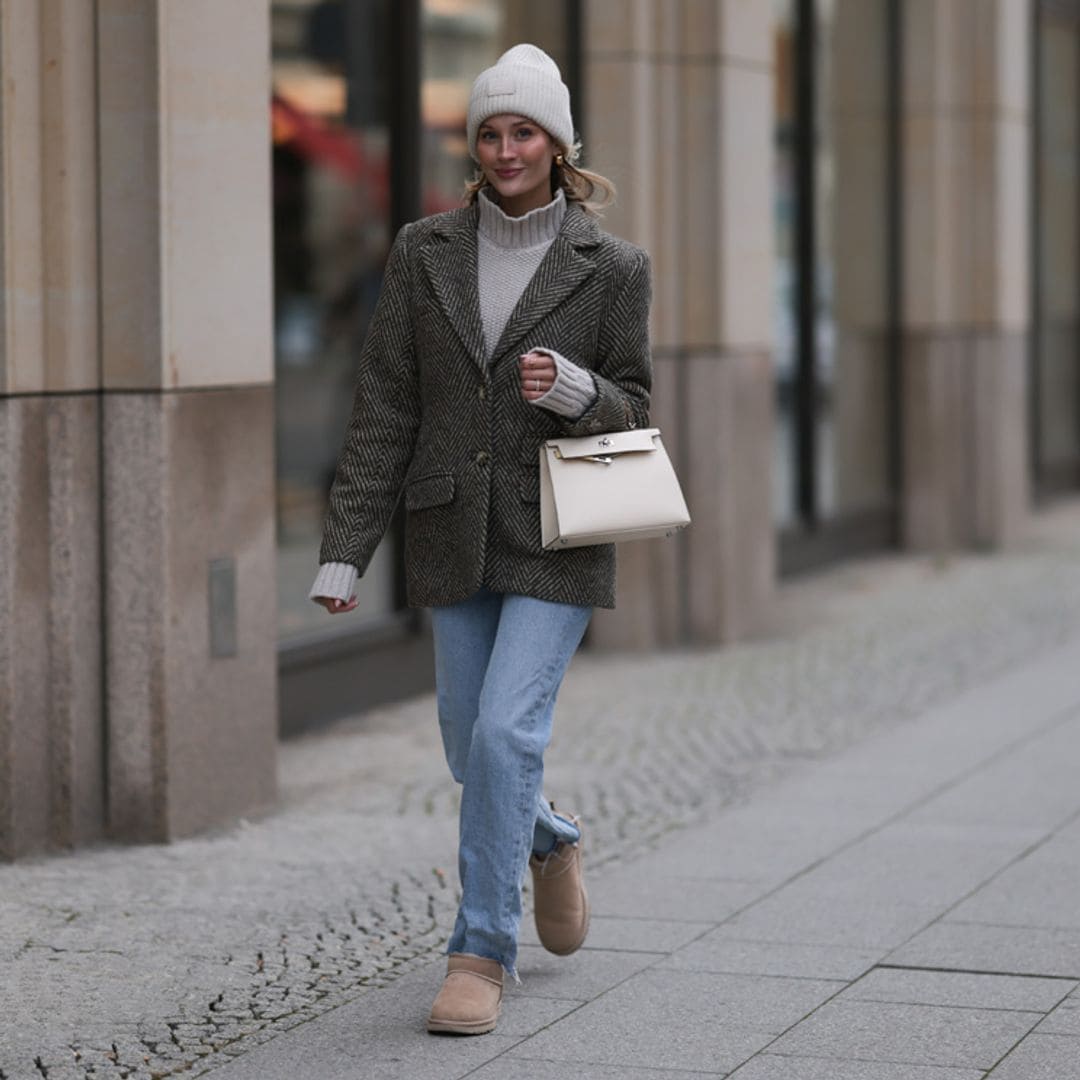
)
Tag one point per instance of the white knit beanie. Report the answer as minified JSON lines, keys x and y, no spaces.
{"x":525,"y":81}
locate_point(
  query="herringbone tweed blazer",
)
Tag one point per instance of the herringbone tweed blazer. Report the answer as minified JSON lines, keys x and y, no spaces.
{"x":433,"y":418}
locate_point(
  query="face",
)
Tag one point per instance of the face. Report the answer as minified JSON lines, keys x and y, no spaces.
{"x":516,"y":155}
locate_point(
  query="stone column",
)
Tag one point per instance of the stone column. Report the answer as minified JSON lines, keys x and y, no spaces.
{"x":966,"y":135}
{"x":679,"y":105}
{"x":136,"y":420}
{"x":187,"y":369}
{"x":51,"y":722}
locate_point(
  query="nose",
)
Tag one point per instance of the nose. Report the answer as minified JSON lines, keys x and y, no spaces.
{"x":506,"y":148}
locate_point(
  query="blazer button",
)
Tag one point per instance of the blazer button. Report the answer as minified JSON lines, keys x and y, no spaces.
{"x":481,"y":393}
{"x":482,"y":457}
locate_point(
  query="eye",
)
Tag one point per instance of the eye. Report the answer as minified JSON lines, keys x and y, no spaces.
{"x":487,"y":134}
{"x":525,"y":133}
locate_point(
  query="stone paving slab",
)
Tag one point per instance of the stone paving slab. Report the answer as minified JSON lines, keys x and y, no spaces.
{"x":1042,"y":1057}
{"x":585,"y":975}
{"x":762,"y":841}
{"x":1031,"y":787}
{"x":957,"y":988}
{"x":679,"y":1020}
{"x":507,"y":1068}
{"x":524,"y":1014}
{"x":832,"y":918}
{"x":927,"y":866}
{"x":1017,"y":950}
{"x":908,"y":1034}
{"x":721,"y":950}
{"x":1038,"y":890}
{"x":1065,"y":1019}
{"x":630,"y":934}
{"x":381,"y":1036}
{"x":640,"y":892}
{"x":776,"y":1067}
{"x":897,"y":769}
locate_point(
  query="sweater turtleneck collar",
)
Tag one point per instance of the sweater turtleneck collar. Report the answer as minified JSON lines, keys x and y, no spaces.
{"x":539,"y":226}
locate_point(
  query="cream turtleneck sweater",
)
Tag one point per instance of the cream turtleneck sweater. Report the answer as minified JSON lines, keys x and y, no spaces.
{"x":509,"y":251}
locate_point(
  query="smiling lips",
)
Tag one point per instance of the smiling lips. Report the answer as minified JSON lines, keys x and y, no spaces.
{"x":506,"y":174}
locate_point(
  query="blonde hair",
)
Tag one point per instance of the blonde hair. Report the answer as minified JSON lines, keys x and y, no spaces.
{"x":591,"y":191}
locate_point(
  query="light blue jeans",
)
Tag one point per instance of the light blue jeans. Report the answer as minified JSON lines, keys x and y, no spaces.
{"x":499,"y":661}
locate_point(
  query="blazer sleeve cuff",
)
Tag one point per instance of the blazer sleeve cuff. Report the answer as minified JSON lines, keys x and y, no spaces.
{"x":336,"y":581}
{"x":573,"y":390}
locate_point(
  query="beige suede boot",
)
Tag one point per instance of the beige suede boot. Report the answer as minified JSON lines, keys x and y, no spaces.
{"x":471,"y":994}
{"x":561,"y":903}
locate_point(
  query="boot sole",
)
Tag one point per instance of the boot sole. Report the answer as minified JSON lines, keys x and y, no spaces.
{"x":463,"y":1027}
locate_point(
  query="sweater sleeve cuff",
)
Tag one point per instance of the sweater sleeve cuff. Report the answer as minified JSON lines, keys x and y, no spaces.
{"x":335,"y":580}
{"x":573,"y":390}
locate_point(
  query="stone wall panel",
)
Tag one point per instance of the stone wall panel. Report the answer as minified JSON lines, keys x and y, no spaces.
{"x":51,"y":730}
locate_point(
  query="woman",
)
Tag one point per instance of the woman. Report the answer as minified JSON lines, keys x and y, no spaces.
{"x":502,"y":324}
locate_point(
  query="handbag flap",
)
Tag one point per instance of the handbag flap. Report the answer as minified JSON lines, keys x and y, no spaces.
{"x":612,"y":442}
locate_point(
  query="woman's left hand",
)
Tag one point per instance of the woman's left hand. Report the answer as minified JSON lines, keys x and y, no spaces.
{"x":537,"y":373}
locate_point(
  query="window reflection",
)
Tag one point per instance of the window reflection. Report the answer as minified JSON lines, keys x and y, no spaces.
{"x":852,"y":257}
{"x":460,"y":39}
{"x":331,"y":235}
{"x":846,"y":183}
{"x":331,"y":144}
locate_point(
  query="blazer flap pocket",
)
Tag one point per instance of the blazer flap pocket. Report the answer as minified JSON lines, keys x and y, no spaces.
{"x":614,"y":442}
{"x":430,"y":491}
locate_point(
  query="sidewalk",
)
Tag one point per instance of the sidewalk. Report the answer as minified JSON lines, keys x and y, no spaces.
{"x":907,"y":910}
{"x":851,"y":843}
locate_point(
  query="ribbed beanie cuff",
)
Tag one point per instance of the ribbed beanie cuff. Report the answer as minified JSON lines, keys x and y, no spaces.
{"x":525,"y":81}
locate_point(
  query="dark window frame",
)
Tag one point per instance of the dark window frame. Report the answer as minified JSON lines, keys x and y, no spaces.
{"x":1047,"y":483}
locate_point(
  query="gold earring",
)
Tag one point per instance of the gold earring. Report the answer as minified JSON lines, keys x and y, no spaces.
{"x":559,"y":160}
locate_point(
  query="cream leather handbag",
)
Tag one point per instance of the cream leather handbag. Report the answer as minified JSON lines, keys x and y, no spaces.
{"x":604,"y":489}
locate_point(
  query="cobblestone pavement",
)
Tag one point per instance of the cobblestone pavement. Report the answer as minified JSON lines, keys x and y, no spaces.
{"x":154,"y":961}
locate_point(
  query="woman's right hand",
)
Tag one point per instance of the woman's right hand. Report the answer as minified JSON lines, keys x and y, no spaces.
{"x":335,"y":606}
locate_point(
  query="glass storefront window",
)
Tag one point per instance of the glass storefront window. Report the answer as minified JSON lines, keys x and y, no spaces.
{"x":460,"y":39}
{"x":332,"y":66}
{"x":331,"y":237}
{"x":852,"y":284}
{"x":785,"y":307}
{"x":832,"y":285}
{"x":1057,"y":272}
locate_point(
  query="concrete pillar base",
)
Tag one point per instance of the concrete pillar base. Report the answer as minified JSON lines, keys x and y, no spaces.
{"x":732,"y":547}
{"x":51,"y":738}
{"x":965,"y":455}
{"x":192,"y":735}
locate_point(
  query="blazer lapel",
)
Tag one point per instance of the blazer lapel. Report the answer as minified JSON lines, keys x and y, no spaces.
{"x":562,"y":270}
{"x":449,"y":259}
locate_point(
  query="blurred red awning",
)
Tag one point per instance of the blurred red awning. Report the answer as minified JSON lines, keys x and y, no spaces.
{"x":332,"y":147}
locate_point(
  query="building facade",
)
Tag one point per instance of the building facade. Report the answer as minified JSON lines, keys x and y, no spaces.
{"x":865,"y":230}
